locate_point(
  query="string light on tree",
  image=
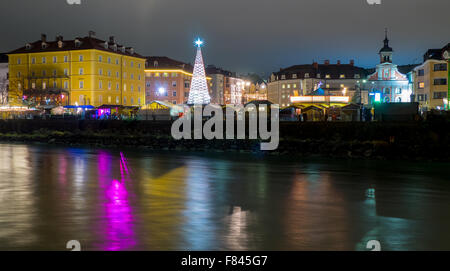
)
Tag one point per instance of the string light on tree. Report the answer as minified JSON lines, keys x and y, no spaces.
{"x":199,"y":94}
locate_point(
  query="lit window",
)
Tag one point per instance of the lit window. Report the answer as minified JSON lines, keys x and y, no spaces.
{"x":421,"y":85}
{"x":117,"y":100}
{"x":157,"y":74}
{"x":283,"y":86}
{"x":342,"y":76}
{"x":327,"y":76}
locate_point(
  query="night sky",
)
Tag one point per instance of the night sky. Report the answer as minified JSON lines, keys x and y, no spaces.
{"x":240,"y":35}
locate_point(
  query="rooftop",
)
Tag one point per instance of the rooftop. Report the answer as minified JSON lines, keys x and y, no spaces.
{"x":86,"y":43}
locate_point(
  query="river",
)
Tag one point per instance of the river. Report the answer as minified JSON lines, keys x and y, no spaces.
{"x":138,"y":199}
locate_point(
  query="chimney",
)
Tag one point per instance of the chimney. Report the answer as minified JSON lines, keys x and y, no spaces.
{"x":339,"y":62}
{"x":111,"y":40}
{"x":315,"y":65}
{"x":43,"y":38}
{"x":352,"y":62}
{"x":92,"y":34}
{"x":327,"y":62}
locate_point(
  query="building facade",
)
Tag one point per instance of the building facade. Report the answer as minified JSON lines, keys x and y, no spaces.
{"x":387,"y":84}
{"x":4,"y":81}
{"x":331,"y":79}
{"x":226,"y":87}
{"x":167,"y":80}
{"x":83,"y":71}
{"x":431,"y":78}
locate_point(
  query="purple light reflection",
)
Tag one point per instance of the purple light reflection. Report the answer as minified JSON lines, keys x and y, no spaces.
{"x":118,"y":226}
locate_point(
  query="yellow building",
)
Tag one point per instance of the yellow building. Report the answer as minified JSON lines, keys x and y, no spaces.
{"x":431,"y":81}
{"x":83,"y":71}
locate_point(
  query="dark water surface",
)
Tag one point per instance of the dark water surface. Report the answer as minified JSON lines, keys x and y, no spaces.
{"x":143,"y":200}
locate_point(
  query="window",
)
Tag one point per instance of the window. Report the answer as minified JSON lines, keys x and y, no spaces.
{"x":55,"y":59}
{"x":81,"y":58}
{"x":81,"y":99}
{"x":318,"y":75}
{"x":124,"y":75}
{"x":19,"y":61}
{"x":294,"y":85}
{"x":148,"y":84}
{"x":357,"y":76}
{"x":439,"y":95}
{"x":440,"y":82}
{"x":294,"y":76}
{"x":100,"y":71}
{"x":81,"y":71}
{"x":342,"y":76}
{"x":327,"y":76}
{"x":186,"y":84}
{"x":283,"y":86}
{"x":139,"y":77}
{"x":100,"y":84}
{"x":100,"y":58}
{"x":44,"y":73}
{"x":420,"y":98}
{"x":139,"y":66}
{"x":139,"y":89}
{"x":186,"y":94}
{"x":44,"y":85}
{"x":289,"y":86}
{"x":44,"y":60}
{"x":66,"y":84}
{"x":132,"y":76}
{"x":66,"y":72}
{"x":440,"y":67}
{"x":174,"y":94}
{"x":18,"y":74}
{"x":81,"y":85}
{"x":174,"y":102}
{"x":117,"y":63}
{"x":117,"y":74}
{"x":157,"y":74}
{"x":306,"y":75}
{"x":117,"y":100}
{"x":132,"y":101}
{"x":33,"y":60}
{"x":124,"y":87}
{"x":117,"y":86}
{"x":124,"y":100}
{"x":132,"y":88}
{"x":109,"y":62}
{"x":100,"y":99}
{"x":109,"y":73}
{"x":421,"y":85}
{"x":327,"y":86}
{"x":109,"y":99}
{"x":54,"y":73}
{"x":398,"y":91}
{"x":132,"y":65}
{"x":421,"y":72}
{"x":174,"y":74}
{"x":109,"y":85}
{"x":139,"y":100}
{"x":66,"y":59}
{"x":165,"y":74}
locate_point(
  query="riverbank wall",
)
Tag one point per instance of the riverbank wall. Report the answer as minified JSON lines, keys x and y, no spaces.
{"x":379,"y":140}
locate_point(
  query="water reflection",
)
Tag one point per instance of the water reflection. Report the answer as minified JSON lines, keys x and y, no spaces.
{"x":118,"y":223}
{"x":134,"y":200}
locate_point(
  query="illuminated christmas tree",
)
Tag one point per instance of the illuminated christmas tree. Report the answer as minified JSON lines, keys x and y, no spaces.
{"x":199,"y":94}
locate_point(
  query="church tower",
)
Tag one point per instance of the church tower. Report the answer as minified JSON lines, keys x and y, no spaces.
{"x":386,"y":52}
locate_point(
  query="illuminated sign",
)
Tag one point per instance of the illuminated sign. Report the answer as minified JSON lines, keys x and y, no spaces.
{"x":320,"y":99}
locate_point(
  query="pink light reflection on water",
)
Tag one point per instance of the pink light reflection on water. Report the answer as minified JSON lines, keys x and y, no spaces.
{"x":118,"y":227}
